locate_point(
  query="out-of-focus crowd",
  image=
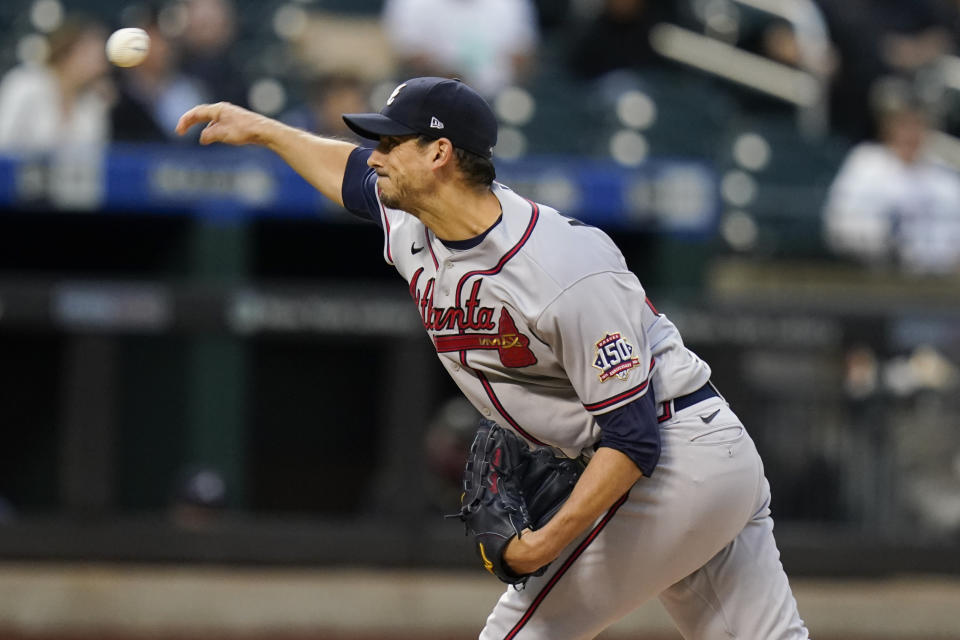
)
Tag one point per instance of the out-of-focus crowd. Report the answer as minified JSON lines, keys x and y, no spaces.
{"x":889,"y":67}
{"x":63,"y":91}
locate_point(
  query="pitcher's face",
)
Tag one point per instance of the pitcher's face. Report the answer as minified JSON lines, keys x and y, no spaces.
{"x":403,"y":174}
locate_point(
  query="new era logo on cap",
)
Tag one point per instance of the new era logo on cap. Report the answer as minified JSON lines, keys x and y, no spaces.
{"x":428,"y":106}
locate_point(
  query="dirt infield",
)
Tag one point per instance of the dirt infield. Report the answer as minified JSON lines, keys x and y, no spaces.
{"x":109,"y":602}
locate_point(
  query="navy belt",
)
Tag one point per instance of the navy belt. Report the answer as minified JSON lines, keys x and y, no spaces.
{"x":703,"y":393}
{"x":680,"y":403}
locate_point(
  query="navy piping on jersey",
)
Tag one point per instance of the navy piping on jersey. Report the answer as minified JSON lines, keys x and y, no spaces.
{"x":525,"y":618}
{"x":535,"y":215}
{"x":667,"y":412}
{"x":426,"y":239}
{"x":386,"y":227}
{"x":361,"y":196}
{"x":637,"y":390}
{"x":507,"y":256}
{"x":413,"y":283}
{"x":652,"y":308}
{"x":496,"y":402}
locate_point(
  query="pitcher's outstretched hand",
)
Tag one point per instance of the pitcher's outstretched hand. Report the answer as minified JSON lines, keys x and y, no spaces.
{"x":226,"y":123}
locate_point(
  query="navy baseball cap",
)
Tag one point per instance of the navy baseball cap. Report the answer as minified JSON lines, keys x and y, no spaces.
{"x":436,"y":107}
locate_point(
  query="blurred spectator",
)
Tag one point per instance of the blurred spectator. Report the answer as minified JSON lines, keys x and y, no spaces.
{"x":199,"y":497}
{"x":618,"y":37}
{"x":890,"y":202}
{"x":155,"y":93}
{"x":327,"y":98}
{"x":777,"y":39}
{"x":875,"y":38}
{"x":488,"y":43}
{"x":915,"y":33}
{"x":783,"y":42}
{"x":63,"y":102}
{"x":208,"y":42}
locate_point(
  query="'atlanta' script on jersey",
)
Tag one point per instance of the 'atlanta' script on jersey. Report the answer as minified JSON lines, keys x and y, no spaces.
{"x":512,"y":347}
{"x":448,"y":318}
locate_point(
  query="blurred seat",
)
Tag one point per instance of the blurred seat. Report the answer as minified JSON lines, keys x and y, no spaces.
{"x":680,"y":113}
{"x":692,"y":110}
{"x":780,"y":178}
{"x":561,"y":121}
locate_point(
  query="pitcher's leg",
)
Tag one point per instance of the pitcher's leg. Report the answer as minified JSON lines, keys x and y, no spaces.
{"x":742,"y":592}
{"x":583,"y":592}
{"x":697,"y":501}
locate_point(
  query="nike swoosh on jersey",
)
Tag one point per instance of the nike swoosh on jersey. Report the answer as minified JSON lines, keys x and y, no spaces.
{"x":710,"y":417}
{"x":414,"y":249}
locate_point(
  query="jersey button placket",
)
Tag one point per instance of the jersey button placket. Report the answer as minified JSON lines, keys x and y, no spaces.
{"x":447,"y":266}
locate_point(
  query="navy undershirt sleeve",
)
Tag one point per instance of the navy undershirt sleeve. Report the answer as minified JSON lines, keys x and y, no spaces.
{"x":359,"y":189}
{"x":634,"y":431}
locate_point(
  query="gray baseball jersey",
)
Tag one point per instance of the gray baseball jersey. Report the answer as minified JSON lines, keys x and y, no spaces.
{"x":544,"y":329}
{"x":538,"y":337}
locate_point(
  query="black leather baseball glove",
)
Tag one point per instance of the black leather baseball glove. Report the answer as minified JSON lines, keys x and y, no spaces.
{"x":508,"y":488}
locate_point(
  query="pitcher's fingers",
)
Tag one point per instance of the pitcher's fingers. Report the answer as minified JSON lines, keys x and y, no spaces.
{"x":210,"y":133}
{"x":200,"y":113}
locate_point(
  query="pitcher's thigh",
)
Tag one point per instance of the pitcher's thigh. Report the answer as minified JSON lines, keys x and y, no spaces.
{"x":582,"y":594}
{"x":604,"y":576}
{"x":741,"y":593}
{"x":697,"y":501}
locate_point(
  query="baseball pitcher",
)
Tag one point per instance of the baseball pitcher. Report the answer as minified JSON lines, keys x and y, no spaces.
{"x":608,"y":469}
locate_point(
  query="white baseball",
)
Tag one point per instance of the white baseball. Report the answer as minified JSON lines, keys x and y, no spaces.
{"x":128,"y":47}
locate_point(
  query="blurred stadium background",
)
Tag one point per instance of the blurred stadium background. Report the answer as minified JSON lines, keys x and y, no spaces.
{"x":218,"y":421}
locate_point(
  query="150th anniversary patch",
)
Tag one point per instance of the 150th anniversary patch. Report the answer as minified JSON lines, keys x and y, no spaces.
{"x":614,"y":357}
